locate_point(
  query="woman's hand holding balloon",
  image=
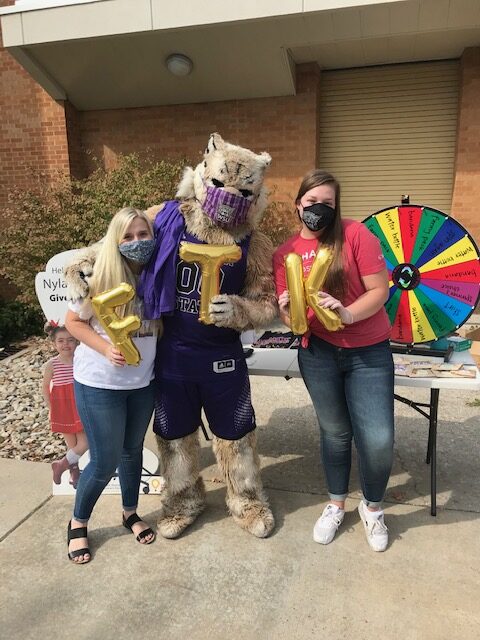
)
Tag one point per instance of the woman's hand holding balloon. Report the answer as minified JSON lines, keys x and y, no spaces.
{"x":284,"y":301}
{"x":327,"y":301}
{"x":114,"y":356}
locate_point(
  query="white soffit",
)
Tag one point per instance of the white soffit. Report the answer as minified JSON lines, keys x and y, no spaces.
{"x":133,"y":71}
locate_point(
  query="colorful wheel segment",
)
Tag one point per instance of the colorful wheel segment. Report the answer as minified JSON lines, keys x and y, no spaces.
{"x":434,"y":271}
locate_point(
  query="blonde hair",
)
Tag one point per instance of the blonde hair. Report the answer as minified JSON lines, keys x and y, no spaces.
{"x":110,"y":267}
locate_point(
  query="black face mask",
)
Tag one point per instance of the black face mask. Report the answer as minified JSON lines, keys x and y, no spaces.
{"x":318,"y":216}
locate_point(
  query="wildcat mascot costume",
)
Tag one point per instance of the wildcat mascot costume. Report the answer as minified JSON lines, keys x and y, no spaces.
{"x":220,"y":202}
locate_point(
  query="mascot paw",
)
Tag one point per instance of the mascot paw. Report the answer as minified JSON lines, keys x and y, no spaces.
{"x":173,"y":526}
{"x":256,"y":518}
{"x":221,"y":310}
{"x":78,"y":274}
{"x":179,"y":510}
{"x":78,"y":284}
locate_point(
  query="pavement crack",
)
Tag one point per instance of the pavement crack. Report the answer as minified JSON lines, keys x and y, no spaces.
{"x":303,"y":492}
{"x":27,"y":517}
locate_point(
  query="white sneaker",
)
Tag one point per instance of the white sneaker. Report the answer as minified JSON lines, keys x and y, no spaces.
{"x":375,"y":528}
{"x":327,"y":525}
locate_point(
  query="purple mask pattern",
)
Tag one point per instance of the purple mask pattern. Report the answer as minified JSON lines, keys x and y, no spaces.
{"x":224,"y":208}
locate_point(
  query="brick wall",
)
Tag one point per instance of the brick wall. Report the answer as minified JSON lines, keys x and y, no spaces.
{"x":286,"y":127}
{"x":32,"y":133}
{"x":32,"y":128}
{"x":466,"y":190}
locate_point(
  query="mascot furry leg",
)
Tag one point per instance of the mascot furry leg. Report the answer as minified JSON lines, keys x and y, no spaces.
{"x":183,"y":497}
{"x":240,"y":464}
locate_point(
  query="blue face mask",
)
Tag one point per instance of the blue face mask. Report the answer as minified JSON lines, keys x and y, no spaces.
{"x":138,"y":250}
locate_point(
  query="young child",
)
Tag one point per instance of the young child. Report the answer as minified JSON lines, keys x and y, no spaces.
{"x":59,"y":396}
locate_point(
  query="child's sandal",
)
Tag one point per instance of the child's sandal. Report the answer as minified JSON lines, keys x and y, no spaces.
{"x":81,"y":532}
{"x":133,"y":519}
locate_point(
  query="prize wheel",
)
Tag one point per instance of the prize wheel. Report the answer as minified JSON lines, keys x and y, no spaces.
{"x":434,"y":271}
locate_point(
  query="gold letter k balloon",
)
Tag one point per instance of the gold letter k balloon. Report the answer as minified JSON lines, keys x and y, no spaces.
{"x":304,"y":293}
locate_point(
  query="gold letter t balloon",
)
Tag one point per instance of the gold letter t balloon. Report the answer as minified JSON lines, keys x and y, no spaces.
{"x":210,"y":257}
{"x":305,"y":292}
{"x":116,"y":328}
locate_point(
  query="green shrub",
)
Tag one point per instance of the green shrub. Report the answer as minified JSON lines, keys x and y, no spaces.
{"x":18,"y":321}
{"x":279,"y":222}
{"x":68,"y":214}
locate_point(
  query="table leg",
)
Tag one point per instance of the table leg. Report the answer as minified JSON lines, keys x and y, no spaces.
{"x":429,"y":446}
{"x":431,"y":457}
{"x":432,"y":449}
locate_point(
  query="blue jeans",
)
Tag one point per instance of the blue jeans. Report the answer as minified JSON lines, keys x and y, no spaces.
{"x":352,"y":392}
{"x":115,"y":422}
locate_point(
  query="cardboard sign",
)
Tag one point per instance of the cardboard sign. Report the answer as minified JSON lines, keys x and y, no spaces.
{"x":150,"y":481}
{"x":51,"y":288}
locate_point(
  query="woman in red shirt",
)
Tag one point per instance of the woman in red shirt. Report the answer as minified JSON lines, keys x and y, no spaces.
{"x":348,"y":373}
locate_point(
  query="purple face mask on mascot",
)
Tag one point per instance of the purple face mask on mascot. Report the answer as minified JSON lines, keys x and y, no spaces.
{"x":224,"y":208}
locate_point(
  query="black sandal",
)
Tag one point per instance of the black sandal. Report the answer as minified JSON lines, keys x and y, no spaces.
{"x":133,"y":519}
{"x":81,"y":532}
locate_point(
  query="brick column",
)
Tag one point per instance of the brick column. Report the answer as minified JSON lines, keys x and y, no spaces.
{"x":466,"y":190}
{"x":33,"y":135}
{"x":76,"y":154}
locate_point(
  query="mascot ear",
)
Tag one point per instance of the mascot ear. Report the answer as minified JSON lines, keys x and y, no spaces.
{"x":215,"y":142}
{"x":265,"y":158}
{"x":186,"y":187}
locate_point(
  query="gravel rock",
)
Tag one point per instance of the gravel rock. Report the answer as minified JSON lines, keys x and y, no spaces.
{"x":24,"y":426}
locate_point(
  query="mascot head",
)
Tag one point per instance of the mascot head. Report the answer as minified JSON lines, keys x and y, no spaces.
{"x":228,"y":185}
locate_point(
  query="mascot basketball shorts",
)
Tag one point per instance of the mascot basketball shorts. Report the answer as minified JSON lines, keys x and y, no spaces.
{"x":225,"y":399}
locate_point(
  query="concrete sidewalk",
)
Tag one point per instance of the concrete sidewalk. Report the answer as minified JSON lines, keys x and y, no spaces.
{"x":218,"y":582}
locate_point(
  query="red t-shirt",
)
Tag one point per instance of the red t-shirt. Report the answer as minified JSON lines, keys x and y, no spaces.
{"x":362,"y":256}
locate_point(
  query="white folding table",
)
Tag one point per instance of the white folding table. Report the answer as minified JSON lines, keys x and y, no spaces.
{"x":283,"y":362}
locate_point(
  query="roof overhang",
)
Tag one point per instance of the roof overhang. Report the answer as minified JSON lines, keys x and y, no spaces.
{"x":103,"y":54}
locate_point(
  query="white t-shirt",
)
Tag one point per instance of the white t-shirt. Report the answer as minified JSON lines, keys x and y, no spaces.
{"x":94,"y":370}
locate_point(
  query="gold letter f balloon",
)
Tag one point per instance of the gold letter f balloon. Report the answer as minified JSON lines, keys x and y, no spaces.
{"x":304,"y":293}
{"x":118,"y":329}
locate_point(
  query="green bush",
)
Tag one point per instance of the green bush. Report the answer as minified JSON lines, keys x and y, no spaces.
{"x":18,"y":321}
{"x":68,"y":214}
{"x":279,"y":222}
{"x":50,"y":218}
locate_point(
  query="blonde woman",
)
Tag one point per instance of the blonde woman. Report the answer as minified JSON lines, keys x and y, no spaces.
{"x":114,"y":400}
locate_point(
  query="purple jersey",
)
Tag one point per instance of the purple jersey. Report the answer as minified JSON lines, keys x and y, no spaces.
{"x":189,"y":349}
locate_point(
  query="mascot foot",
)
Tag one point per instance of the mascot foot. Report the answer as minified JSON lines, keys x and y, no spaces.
{"x":253,"y":516}
{"x":173,"y":526}
{"x":180,"y":510}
